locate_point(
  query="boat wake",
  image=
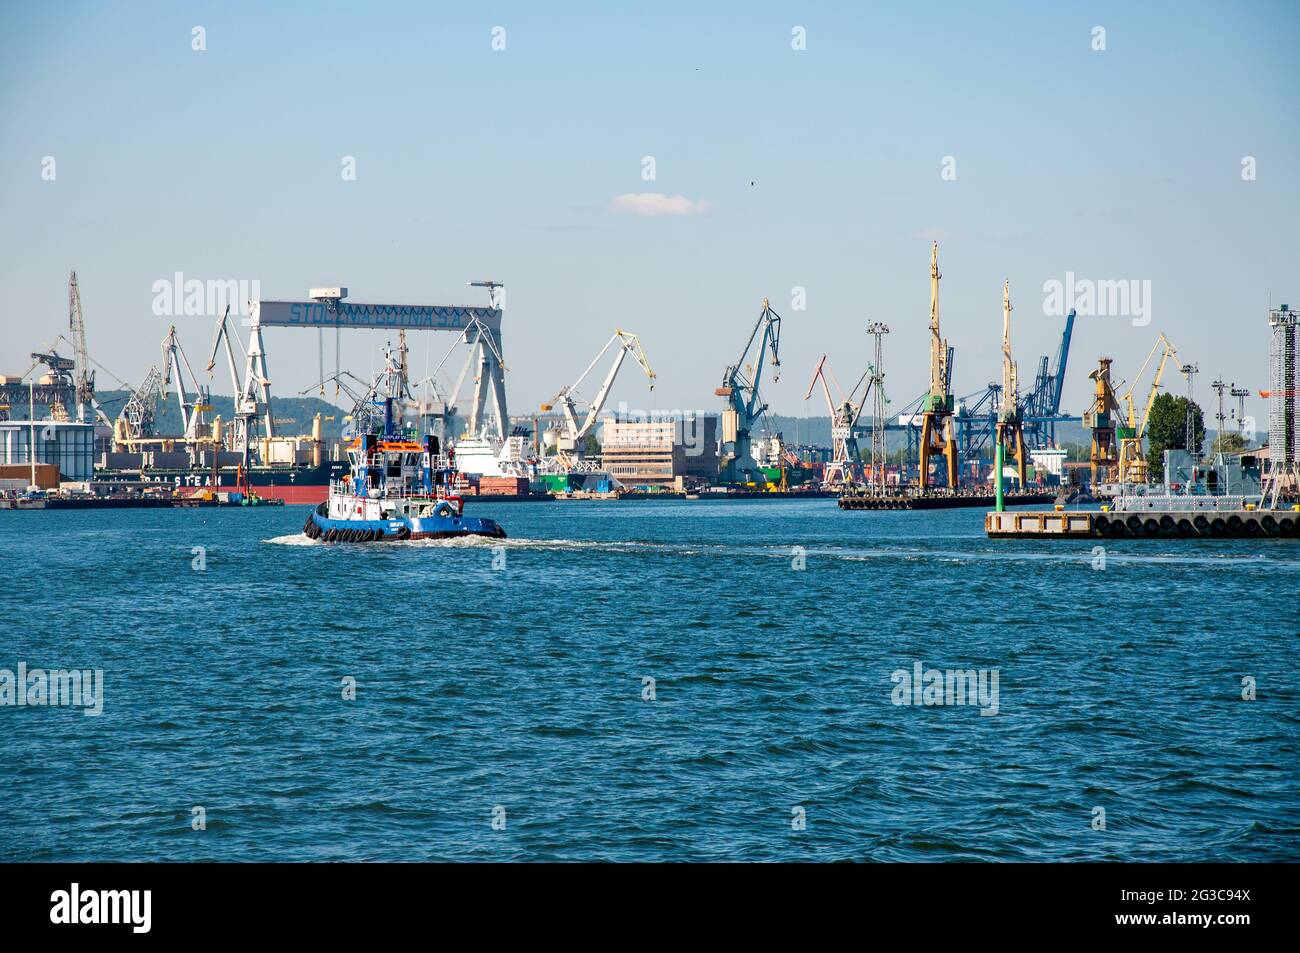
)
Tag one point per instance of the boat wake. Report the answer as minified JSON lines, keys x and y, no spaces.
{"x":839,"y":554}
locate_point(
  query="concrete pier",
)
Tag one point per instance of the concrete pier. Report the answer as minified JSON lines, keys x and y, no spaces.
{"x":1145,"y":524}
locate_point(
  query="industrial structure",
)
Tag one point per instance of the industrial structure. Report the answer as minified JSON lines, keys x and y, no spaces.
{"x":1009,"y":435}
{"x":1283,"y":478}
{"x":1103,"y":457}
{"x":1132,"y":462}
{"x":740,"y":387}
{"x":879,"y":453}
{"x":569,"y":441}
{"x":937,"y":437}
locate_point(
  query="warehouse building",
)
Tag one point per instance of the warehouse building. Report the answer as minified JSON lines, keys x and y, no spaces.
{"x":670,"y":453}
{"x":68,"y":445}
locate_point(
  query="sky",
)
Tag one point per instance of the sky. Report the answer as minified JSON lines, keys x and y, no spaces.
{"x":1170,"y":158}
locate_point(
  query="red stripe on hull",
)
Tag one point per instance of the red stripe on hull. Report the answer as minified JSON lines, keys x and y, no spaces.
{"x":290,"y":494}
{"x":293,"y":494}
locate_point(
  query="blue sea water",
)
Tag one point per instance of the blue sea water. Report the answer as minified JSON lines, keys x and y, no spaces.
{"x":519,"y":694}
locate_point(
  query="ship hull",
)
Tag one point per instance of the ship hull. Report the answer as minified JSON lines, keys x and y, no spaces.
{"x":398,"y":528}
{"x":303,"y":484}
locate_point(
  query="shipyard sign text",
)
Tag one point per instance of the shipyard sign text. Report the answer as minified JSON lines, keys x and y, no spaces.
{"x":342,"y":314}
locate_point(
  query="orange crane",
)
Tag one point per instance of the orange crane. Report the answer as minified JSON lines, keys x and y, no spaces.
{"x":1102,"y":457}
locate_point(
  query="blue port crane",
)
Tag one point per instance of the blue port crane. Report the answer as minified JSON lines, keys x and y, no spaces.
{"x":1041,"y":409}
{"x":744,"y":404}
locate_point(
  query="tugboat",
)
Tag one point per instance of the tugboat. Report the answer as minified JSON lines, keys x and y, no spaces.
{"x":398,"y":489}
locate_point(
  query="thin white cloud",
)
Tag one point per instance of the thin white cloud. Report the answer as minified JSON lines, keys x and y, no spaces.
{"x":654,"y":204}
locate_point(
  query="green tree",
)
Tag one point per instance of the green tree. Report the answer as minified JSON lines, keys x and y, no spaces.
{"x":1167,"y":430}
{"x":1077,"y":452}
{"x":592,"y":447}
{"x":1229,"y":442}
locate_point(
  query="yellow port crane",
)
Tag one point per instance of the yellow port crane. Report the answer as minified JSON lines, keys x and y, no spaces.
{"x":1132,"y":461}
{"x":1010,"y":435}
{"x":1097,"y":418}
{"x":936,"y":418}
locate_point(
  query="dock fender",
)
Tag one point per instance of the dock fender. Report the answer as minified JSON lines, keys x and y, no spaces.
{"x":1134,"y":523}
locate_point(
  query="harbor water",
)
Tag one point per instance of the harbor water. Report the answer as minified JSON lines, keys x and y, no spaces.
{"x":675,"y":680}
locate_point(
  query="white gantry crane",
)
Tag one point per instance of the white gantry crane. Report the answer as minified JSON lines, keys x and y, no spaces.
{"x":191,"y":407}
{"x":572,"y":438}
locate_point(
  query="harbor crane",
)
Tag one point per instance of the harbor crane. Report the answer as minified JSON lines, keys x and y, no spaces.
{"x":1102,"y":456}
{"x":136,"y":420}
{"x":245,"y":397}
{"x":192,"y":409}
{"x":1132,"y":462}
{"x":571,"y":440}
{"x":744,"y":403}
{"x":937,"y":437}
{"x":1009,"y":434}
{"x":60,"y":384}
{"x":369,"y":404}
{"x":85,"y":376}
{"x":845,"y":465}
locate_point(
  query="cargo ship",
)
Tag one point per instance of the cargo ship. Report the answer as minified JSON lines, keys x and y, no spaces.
{"x":292,"y":469}
{"x":292,"y":483}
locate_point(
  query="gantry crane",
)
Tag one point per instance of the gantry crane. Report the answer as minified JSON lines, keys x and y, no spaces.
{"x":191,"y":408}
{"x":571,"y":440}
{"x":744,"y":404}
{"x":1132,"y":461}
{"x":937,"y":436}
{"x":1009,"y":434}
{"x":1102,"y":457}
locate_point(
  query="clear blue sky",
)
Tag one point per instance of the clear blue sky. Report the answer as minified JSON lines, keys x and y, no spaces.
{"x":474,"y":163}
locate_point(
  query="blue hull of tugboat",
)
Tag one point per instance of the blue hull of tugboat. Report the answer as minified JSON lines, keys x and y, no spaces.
{"x":449,"y":526}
